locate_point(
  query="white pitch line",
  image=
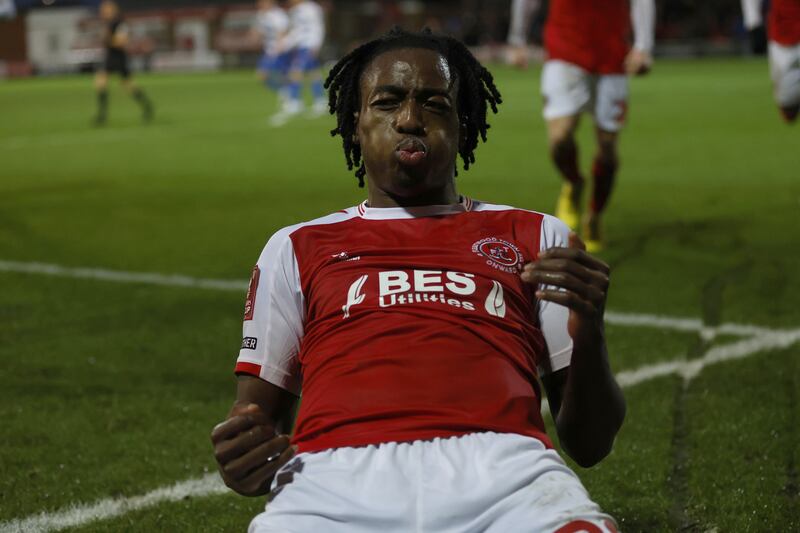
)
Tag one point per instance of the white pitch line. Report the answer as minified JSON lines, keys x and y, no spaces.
{"x":108,"y":508}
{"x":691,"y":368}
{"x":121,"y":276}
{"x":684,"y":324}
{"x":740,"y":350}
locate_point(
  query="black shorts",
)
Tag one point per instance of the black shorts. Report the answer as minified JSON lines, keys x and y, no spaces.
{"x":117,"y":61}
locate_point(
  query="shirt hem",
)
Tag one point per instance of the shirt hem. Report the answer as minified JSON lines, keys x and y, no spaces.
{"x":371,"y":440}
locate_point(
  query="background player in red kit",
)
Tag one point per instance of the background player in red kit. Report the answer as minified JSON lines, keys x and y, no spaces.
{"x":783,"y":30}
{"x":417,"y":325}
{"x":588,"y":58}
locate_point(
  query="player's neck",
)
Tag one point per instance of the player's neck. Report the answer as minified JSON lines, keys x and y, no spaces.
{"x":445,"y":196}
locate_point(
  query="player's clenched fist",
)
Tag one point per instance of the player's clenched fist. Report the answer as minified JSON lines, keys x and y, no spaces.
{"x":638,"y":62}
{"x":248,"y":451}
{"x":573,"y":278}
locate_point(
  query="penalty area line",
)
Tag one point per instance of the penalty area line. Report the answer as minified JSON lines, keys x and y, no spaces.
{"x":690,"y":369}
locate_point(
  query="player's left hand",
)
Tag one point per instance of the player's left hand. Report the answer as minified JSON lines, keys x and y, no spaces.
{"x":575,"y":279}
{"x":638,"y":62}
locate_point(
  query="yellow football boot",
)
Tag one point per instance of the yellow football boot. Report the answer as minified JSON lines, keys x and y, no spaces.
{"x":593,"y":233}
{"x":568,"y":207}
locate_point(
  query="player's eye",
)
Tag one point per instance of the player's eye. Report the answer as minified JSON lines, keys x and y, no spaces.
{"x":385,"y":103}
{"x":438,"y":105}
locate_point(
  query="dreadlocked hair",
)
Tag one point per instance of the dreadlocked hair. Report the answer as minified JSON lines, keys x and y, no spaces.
{"x":476,"y":90}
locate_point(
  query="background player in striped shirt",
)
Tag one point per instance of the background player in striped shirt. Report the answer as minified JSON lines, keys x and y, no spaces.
{"x":417,"y":325}
{"x":783,"y":30}
{"x":271,"y":25}
{"x":588,"y":59}
{"x":303,"y":41}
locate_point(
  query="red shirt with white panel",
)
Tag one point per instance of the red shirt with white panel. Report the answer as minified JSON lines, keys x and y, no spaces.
{"x":592,"y":34}
{"x":404,"y":324}
{"x":783,"y":20}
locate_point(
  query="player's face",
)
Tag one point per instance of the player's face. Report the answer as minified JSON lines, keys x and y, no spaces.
{"x":108,"y":10}
{"x":408,"y":126}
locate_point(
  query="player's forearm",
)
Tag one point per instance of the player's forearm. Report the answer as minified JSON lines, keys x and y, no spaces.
{"x":276,"y":403}
{"x":643,"y":18}
{"x":521,"y":14}
{"x":593,"y":406}
{"x":751,"y":10}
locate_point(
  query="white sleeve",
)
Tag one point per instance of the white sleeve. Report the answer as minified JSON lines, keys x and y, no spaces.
{"x":306,"y":27}
{"x":751,"y":9}
{"x":319,"y":26}
{"x":274,"y":317}
{"x":553,"y":317}
{"x":521,"y":14}
{"x":643,"y":18}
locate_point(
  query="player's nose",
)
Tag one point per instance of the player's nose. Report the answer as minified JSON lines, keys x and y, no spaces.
{"x":409,"y":119}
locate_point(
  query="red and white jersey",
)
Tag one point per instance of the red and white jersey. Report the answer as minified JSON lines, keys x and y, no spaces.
{"x":783,"y":21}
{"x":594,"y":34}
{"x":401,"y":324}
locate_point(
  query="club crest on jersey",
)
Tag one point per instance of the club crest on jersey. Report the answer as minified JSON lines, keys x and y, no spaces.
{"x":499,"y":254}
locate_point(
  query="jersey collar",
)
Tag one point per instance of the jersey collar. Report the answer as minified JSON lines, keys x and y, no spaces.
{"x":389,"y":213}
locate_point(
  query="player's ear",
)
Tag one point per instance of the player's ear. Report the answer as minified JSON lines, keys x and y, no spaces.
{"x":355,"y":128}
{"x":462,"y":136}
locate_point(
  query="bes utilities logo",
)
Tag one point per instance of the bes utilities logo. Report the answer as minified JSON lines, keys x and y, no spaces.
{"x":436,"y":287}
{"x":499,"y":254}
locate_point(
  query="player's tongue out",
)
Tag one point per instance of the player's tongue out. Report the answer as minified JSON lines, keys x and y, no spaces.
{"x":411,"y":151}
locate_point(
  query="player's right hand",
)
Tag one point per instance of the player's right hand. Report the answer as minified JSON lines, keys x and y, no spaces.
{"x":518,"y":57}
{"x":758,"y":40}
{"x":638,"y":62}
{"x":248,"y":451}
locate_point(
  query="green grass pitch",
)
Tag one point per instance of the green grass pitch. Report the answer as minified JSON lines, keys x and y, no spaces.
{"x":110,"y":389}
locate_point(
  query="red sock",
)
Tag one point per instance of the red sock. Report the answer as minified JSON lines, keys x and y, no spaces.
{"x":603,"y":172}
{"x":566,"y":159}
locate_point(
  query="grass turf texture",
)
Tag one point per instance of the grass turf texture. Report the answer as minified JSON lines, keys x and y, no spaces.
{"x":111,"y":390}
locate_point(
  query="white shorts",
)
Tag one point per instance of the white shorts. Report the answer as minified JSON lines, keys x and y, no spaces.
{"x":784,"y":64}
{"x":482,"y":482}
{"x":569,"y":90}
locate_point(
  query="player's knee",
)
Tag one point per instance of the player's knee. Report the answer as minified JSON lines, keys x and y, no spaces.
{"x":607,"y":155}
{"x":561,"y":133}
{"x":607,"y":149}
